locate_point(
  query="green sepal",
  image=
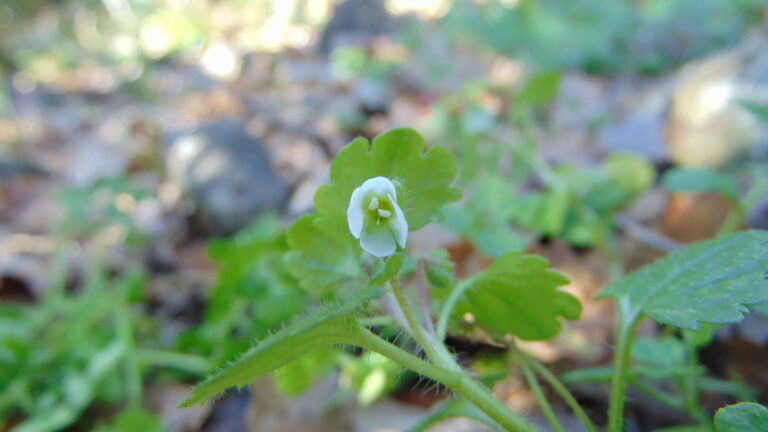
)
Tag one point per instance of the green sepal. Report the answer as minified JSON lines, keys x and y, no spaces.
{"x":390,"y":270}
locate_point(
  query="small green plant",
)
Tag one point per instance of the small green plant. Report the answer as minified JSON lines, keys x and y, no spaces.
{"x":88,"y":343}
{"x":354,"y":251}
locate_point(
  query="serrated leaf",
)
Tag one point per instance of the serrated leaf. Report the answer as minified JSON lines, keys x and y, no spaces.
{"x":709,"y":281}
{"x":700,"y":180}
{"x":329,"y":327}
{"x":422,"y":177}
{"x":518,"y":294}
{"x":323,"y":253}
{"x":742,"y":417}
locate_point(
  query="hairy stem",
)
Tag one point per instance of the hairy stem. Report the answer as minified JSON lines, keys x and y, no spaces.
{"x":435,"y":350}
{"x":459,"y":381}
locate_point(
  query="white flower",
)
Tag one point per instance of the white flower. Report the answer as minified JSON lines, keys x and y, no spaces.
{"x":375,"y":218}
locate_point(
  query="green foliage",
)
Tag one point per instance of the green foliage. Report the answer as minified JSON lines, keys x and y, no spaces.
{"x":603,"y":37}
{"x":581,"y":205}
{"x":742,"y":417}
{"x":709,"y":281}
{"x":422,"y":177}
{"x":485,"y":218}
{"x":135,"y":420}
{"x":658,"y":359}
{"x":322,"y":329}
{"x":296,"y":377}
{"x":371,"y":376}
{"x":539,"y":90}
{"x":59,"y":356}
{"x":518,"y":294}
{"x":323,"y":253}
{"x":253,"y":293}
{"x":700,"y":180}
{"x":88,"y":210}
{"x":758,"y":110}
{"x":453,"y":408}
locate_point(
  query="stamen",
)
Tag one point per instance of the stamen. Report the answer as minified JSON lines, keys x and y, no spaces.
{"x":385,"y":213}
{"x":374,"y":204}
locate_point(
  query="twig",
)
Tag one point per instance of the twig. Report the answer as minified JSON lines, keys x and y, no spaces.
{"x":645,"y":234}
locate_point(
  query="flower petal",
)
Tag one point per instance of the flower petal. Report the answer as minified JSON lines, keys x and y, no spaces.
{"x":380,"y":186}
{"x":378,"y":241}
{"x":355,"y":213}
{"x":398,"y":225}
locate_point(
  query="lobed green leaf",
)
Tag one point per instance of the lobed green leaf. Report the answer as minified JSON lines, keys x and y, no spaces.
{"x":518,"y":294}
{"x":323,"y":253}
{"x":422,"y":177}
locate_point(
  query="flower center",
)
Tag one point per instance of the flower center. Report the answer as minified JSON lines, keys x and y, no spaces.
{"x":379,"y":209}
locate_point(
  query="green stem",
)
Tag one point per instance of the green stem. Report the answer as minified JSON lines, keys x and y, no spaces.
{"x":126,"y":337}
{"x":163,"y":358}
{"x":627,"y":327}
{"x":544,"y":405}
{"x":661,"y":396}
{"x":435,"y":350}
{"x":450,"y":303}
{"x":459,"y":381}
{"x":59,"y":270}
{"x":561,"y":390}
{"x":690,"y":383}
{"x":742,"y":207}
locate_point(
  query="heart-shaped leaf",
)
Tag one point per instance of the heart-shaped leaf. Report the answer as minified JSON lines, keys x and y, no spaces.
{"x":518,"y":294}
{"x":422,"y":177}
{"x":710,"y":281}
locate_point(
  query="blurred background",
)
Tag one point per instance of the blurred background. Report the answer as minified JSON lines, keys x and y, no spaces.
{"x":152,"y":153}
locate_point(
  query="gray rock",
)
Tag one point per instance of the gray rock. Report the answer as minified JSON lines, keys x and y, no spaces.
{"x":355,"y":22}
{"x":226,"y":173}
{"x":707,"y":125}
